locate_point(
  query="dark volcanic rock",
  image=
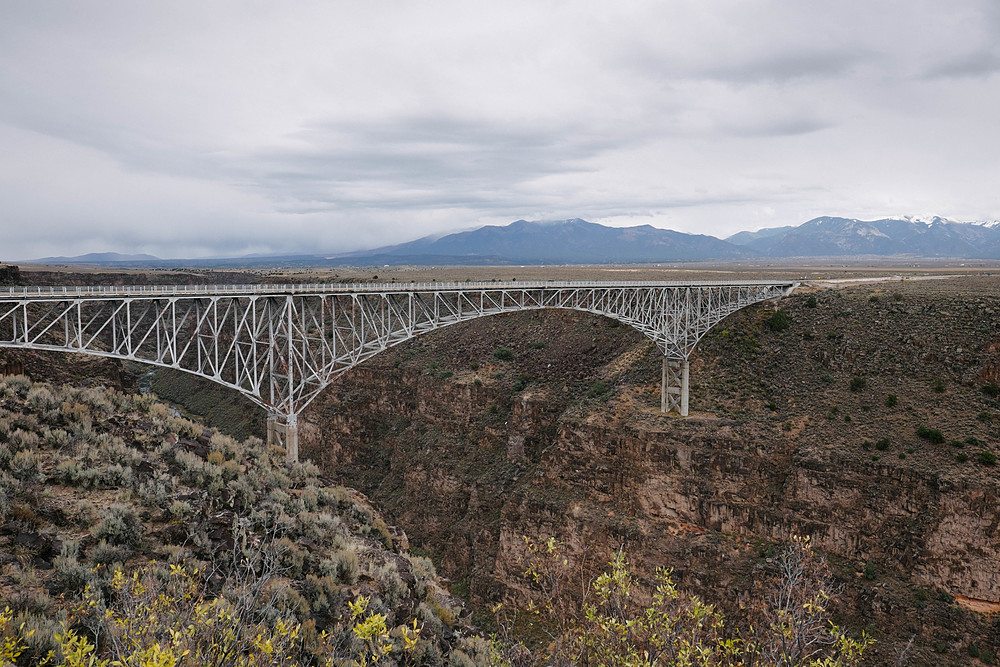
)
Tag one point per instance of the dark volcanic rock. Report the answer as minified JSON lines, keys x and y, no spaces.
{"x":779,"y":445}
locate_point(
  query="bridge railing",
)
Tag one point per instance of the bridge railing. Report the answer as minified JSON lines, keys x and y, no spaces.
{"x":99,"y":291}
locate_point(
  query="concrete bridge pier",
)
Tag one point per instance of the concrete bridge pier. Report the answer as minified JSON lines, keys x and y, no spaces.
{"x":283,"y":431}
{"x":674,"y":386}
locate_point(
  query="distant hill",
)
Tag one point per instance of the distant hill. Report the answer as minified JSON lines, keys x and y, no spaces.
{"x":838,"y":237}
{"x":573,"y":241}
{"x":102,"y":258}
{"x":751,"y":240}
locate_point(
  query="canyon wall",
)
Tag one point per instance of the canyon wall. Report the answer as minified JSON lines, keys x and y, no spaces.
{"x":469,"y":453}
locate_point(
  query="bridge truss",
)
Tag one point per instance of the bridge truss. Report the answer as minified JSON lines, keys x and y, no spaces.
{"x":281,"y":345}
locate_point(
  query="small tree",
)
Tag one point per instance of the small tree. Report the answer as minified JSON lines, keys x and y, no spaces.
{"x":779,"y":320}
{"x":791,"y":625}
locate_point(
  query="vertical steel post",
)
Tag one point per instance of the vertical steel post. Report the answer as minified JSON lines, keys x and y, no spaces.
{"x":674,"y":385}
{"x":291,"y":439}
{"x":663,"y":387}
{"x":685,"y":375}
{"x":273,"y":434}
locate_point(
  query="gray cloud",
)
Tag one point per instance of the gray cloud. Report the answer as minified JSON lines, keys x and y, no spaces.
{"x":979,"y":64}
{"x":185,"y":128}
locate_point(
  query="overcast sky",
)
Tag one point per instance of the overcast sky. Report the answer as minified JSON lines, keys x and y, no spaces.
{"x":198,"y":128}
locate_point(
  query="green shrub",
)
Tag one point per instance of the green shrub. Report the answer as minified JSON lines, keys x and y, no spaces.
{"x":987,"y":458}
{"x":522,"y":382}
{"x":869,"y":572}
{"x":423,"y":571}
{"x":931,"y":435}
{"x":882,"y":444}
{"x":503,"y":354}
{"x":39,"y":633}
{"x":986,"y":655}
{"x":304,"y":473}
{"x":538,"y":345}
{"x":779,"y":320}
{"x":103,"y":553}
{"x":991,"y":389}
{"x":598,"y":389}
{"x":68,"y":575}
{"x":811,"y":301}
{"x":873,"y":298}
{"x":55,"y":437}
{"x":391,"y":584}
{"x":119,"y":526}
{"x":117,"y":475}
{"x":428,"y":619}
{"x":40,"y":398}
{"x":27,"y":466}
{"x":938,"y":386}
{"x":961,"y":457}
{"x":858,"y":383}
{"x":179,"y":510}
{"x":443,"y":612}
{"x":973,"y":651}
{"x":343,"y":565}
{"x":21,"y":439}
{"x":826,"y":378}
{"x":891,"y":400}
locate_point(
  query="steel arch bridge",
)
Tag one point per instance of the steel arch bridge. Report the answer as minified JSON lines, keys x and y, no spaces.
{"x":281,"y":345}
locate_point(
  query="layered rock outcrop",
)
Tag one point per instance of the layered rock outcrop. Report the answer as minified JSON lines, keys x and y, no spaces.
{"x":781,"y":443}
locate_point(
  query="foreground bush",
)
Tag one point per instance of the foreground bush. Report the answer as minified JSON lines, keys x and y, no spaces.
{"x":615,"y":622}
{"x":161,"y":616}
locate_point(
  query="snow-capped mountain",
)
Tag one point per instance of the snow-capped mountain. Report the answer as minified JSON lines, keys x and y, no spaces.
{"x":921,"y":236}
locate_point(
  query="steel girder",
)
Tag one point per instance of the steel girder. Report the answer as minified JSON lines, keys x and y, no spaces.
{"x":282,"y":345}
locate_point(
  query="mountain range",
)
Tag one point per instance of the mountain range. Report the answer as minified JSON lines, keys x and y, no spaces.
{"x":577,"y":241}
{"x":840,"y":237}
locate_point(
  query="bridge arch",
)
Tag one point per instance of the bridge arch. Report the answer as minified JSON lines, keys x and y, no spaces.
{"x":281,"y":345}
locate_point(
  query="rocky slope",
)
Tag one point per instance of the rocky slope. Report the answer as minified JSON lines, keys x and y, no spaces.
{"x":95,"y":482}
{"x":794,"y":432}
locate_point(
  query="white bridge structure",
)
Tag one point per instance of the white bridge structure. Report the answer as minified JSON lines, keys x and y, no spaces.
{"x":281,"y":345}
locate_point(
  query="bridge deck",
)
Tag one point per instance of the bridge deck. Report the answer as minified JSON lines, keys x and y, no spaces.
{"x":147,"y":291}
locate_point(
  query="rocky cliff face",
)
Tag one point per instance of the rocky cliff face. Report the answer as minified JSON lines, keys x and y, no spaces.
{"x":470,"y":452}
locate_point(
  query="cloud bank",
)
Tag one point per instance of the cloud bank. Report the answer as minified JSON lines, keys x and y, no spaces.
{"x":199,"y":129}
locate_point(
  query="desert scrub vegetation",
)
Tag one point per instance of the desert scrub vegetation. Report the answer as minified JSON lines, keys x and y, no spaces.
{"x":613,"y":619}
{"x":110,"y":503}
